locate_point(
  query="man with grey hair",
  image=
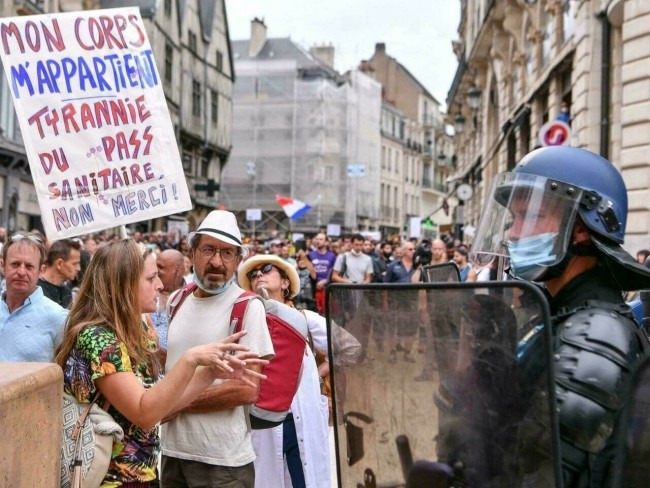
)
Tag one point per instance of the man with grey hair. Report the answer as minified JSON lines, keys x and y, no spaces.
{"x":210,"y":439}
{"x":31,"y":325}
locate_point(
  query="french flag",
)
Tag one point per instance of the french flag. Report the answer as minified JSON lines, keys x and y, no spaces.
{"x":292,"y":207}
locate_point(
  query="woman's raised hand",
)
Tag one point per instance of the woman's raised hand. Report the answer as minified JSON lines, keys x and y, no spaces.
{"x":220,"y":354}
{"x":224,"y":364}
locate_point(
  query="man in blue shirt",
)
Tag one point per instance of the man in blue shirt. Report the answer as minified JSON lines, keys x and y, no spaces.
{"x":31,"y":325}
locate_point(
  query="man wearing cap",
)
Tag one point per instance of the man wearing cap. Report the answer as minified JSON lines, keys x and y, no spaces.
{"x":211,"y":440}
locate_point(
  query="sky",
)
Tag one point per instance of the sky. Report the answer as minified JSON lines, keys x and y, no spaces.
{"x":418,"y":33}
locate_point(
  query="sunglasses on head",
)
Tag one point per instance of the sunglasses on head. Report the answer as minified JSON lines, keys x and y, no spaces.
{"x":31,"y":237}
{"x":266,"y":269}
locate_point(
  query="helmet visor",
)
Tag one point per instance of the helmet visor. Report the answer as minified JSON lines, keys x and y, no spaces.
{"x":522,"y":210}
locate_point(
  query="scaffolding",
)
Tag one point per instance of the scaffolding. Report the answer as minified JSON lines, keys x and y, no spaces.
{"x":308,"y":135}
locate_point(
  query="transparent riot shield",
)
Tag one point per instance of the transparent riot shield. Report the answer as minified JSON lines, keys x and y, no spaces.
{"x":441,"y":273}
{"x":636,"y":468}
{"x":485,"y":417}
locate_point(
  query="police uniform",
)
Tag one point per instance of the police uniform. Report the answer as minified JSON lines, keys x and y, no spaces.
{"x":597,"y":344}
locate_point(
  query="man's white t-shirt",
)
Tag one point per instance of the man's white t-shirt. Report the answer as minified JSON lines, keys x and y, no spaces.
{"x":218,"y":438}
{"x":356,"y":266}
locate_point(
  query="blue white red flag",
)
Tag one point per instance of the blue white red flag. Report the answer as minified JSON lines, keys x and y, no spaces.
{"x":292,"y":207}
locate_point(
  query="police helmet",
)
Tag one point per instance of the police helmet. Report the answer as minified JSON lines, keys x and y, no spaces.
{"x":542,"y":198}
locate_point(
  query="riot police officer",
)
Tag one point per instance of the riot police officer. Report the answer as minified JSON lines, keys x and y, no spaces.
{"x":560,"y":218}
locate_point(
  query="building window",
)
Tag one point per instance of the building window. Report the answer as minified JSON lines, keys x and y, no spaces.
{"x":196,"y":98}
{"x":568,"y":18}
{"x":205,"y":168}
{"x":192,"y":41}
{"x":168,"y":8}
{"x":514,"y":85}
{"x":547,"y":39}
{"x":219,"y":61}
{"x":169,"y":62}
{"x":214,"y":106}
{"x":530,"y":60}
{"x":187,"y":161}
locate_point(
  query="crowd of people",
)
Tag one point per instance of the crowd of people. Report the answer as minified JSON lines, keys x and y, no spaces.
{"x":141,"y":325}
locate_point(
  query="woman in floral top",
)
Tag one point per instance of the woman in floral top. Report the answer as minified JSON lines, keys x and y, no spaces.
{"x":108,"y":348}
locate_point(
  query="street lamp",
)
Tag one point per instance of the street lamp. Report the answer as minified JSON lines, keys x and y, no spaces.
{"x":459,"y":123}
{"x":474,"y":97}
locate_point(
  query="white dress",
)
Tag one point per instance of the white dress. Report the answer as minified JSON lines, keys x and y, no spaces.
{"x":310,"y":414}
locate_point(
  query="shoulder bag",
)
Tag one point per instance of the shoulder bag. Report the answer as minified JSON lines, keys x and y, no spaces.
{"x":88,"y":436}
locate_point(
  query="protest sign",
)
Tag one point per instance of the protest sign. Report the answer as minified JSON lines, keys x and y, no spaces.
{"x":93,"y":116}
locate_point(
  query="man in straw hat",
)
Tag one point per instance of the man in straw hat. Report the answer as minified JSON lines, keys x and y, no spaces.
{"x":210,"y":440}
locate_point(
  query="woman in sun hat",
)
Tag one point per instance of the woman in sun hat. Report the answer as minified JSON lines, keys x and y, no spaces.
{"x":307,"y":461}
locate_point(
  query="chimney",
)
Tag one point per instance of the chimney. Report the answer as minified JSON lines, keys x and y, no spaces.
{"x":380,"y":47}
{"x":365,"y":67}
{"x":258,"y":37}
{"x":323,"y":53}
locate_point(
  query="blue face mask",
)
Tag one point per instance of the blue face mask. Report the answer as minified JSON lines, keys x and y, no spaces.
{"x":531,"y":256}
{"x":217,"y":291}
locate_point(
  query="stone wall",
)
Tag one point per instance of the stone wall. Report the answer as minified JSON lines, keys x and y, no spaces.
{"x":31,"y":398}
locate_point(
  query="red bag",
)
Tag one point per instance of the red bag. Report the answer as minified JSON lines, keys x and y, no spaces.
{"x":288,"y":330}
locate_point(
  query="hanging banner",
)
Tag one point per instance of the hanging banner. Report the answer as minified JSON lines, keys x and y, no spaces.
{"x":93,"y":116}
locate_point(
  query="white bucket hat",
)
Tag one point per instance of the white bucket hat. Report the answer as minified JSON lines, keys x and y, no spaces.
{"x":221,"y":225}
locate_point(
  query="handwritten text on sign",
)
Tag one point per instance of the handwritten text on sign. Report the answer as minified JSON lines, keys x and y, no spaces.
{"x":94,"y":119}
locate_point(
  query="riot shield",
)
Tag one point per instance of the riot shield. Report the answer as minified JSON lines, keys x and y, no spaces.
{"x":636,"y":469}
{"x":441,"y":273}
{"x":485,"y":418}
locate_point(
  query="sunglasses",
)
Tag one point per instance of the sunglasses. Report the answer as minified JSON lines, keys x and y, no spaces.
{"x":252,"y":274}
{"x":31,"y":237}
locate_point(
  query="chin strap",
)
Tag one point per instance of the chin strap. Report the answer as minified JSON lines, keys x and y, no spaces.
{"x":574,"y":250}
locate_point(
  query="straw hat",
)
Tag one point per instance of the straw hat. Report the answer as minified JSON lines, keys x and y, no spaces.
{"x":261,"y":259}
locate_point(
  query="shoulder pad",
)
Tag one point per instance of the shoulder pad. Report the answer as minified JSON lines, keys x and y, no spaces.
{"x":595,"y":353}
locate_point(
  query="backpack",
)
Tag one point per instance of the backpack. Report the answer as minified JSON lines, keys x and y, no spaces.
{"x":288,"y":331}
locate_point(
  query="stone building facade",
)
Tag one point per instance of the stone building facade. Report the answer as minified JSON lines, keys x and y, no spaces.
{"x":523,"y":60}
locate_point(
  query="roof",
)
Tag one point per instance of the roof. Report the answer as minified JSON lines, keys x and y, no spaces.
{"x":284,"y":48}
{"x":403,"y":68}
{"x":417,"y":82}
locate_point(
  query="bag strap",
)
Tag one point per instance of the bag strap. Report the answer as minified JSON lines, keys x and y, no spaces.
{"x":82,"y":419}
{"x":177,"y":299}
{"x":239,"y":310}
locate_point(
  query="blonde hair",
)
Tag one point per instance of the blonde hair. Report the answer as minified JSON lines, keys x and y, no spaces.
{"x":109,"y":296}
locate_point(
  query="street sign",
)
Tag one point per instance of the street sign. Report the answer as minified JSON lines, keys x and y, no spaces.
{"x":210,"y":187}
{"x":356,"y":170}
{"x":253,"y":214}
{"x":554,"y":133}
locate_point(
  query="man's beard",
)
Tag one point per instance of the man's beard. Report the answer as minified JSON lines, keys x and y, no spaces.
{"x":210,"y":283}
